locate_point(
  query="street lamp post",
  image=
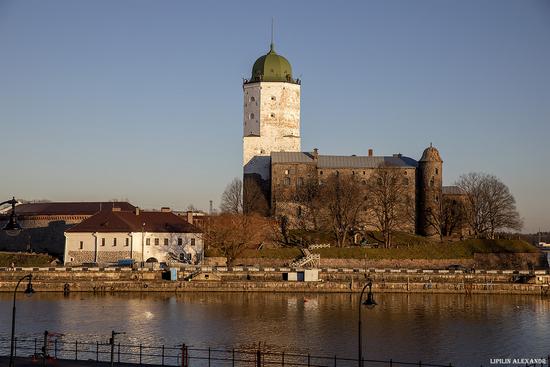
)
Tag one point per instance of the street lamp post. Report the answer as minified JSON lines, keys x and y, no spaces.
{"x":28,"y":291}
{"x":12,"y":228}
{"x":370,"y":303}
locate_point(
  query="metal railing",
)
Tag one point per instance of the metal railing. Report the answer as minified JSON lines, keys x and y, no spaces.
{"x":182,"y":355}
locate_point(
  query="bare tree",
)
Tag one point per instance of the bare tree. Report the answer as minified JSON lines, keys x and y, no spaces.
{"x":308,"y":196}
{"x":343,"y":202}
{"x":491,"y":206}
{"x":390,"y":205}
{"x":232,"y":197}
{"x":448,"y":217}
{"x":231,"y":234}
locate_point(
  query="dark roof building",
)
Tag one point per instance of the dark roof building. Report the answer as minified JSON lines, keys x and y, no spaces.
{"x":134,"y":221}
{"x":69,"y":208}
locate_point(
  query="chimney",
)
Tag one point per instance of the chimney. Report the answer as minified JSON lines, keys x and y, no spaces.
{"x":370,"y":152}
{"x":165,"y":209}
{"x":137,"y":210}
{"x":115,"y":209}
{"x":190,"y":217}
{"x":315,"y":154}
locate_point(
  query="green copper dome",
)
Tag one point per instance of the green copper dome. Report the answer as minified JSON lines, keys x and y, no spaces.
{"x":272,"y":68}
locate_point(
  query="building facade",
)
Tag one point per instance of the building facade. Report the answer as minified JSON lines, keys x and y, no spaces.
{"x":274,"y":166}
{"x":113,"y":235}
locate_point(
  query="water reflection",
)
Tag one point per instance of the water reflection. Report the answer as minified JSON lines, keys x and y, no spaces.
{"x":439,"y":328}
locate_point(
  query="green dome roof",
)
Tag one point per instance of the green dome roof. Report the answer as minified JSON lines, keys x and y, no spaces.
{"x":271,"y":68}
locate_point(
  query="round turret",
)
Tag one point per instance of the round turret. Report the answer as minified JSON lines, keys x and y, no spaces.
{"x":431,"y":154}
{"x":430,"y":183}
{"x":271,"y":68}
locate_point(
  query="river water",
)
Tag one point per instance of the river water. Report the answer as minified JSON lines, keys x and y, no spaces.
{"x":458,"y":329}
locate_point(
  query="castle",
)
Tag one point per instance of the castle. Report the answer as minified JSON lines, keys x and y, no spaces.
{"x":274,"y":165}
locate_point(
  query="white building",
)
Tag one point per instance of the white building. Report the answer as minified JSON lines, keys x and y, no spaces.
{"x":112,"y":235}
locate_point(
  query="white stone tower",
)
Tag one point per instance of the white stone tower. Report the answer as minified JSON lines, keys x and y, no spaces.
{"x":271,"y":124}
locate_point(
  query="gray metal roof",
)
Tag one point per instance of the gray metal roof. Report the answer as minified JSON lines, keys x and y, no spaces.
{"x":340,"y":161}
{"x":452,"y":190}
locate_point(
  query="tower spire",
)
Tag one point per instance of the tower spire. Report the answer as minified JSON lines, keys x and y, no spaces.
{"x":271,"y":47}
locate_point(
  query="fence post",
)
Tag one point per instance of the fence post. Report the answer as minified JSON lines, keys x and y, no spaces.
{"x":162,"y":355}
{"x":258,"y":358}
{"x":140,"y":350}
{"x":308,"y":360}
{"x":283,"y":361}
{"x":208,"y":356}
{"x":45,"y":348}
{"x":335,"y":360}
{"x":76,"y":350}
{"x":233,"y":358}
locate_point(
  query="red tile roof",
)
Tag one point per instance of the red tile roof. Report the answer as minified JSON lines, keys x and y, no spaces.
{"x":126,"y":221}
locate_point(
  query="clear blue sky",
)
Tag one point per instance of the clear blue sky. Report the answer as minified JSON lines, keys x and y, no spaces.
{"x":142,"y":100}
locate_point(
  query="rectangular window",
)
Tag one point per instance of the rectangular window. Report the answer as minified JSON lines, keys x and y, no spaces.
{"x":114,"y":241}
{"x":287,"y":181}
{"x":192,"y":242}
{"x":127,"y":242}
{"x":157,"y":241}
{"x":81,"y":245}
{"x":166,"y":242}
{"x":103,"y":242}
{"x":148,"y":242}
{"x":300,"y":181}
{"x":180,"y":241}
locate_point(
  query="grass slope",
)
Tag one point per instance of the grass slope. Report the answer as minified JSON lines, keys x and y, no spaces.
{"x":24,"y":260}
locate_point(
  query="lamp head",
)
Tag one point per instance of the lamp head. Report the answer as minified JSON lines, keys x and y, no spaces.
{"x":29,"y":291}
{"x":12,"y":228}
{"x":370,"y":302}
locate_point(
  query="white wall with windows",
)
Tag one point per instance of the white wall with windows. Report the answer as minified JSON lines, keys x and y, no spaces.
{"x":109,"y":247}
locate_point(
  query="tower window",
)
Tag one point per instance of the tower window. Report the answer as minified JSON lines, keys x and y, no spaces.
{"x":272,"y":115}
{"x":273,"y":98}
{"x":320,"y":172}
{"x":251,"y":116}
{"x":300,"y":181}
{"x":287,"y":181}
{"x":286,"y":172}
{"x":432,"y":182}
{"x":406,"y":181}
{"x":299,"y":211}
{"x":252,"y":99}
{"x":436,"y":171}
